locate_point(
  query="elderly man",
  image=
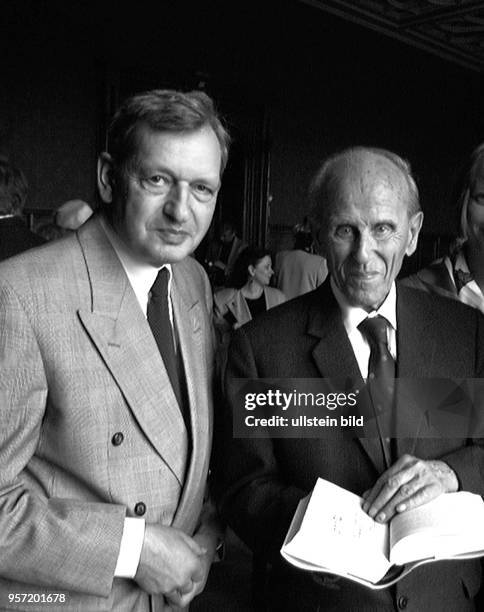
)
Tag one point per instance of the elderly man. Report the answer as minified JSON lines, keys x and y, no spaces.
{"x":367,"y":205}
{"x":106,"y":352}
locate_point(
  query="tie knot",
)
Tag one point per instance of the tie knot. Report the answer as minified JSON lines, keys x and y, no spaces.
{"x":374,"y":329}
{"x":159,"y":289}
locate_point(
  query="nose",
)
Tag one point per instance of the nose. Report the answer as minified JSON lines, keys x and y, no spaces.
{"x":362,"y":248}
{"x":177,"y":205}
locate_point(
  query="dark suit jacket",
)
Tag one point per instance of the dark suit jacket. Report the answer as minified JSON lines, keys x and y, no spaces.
{"x":262,"y":480}
{"x":16,"y":237}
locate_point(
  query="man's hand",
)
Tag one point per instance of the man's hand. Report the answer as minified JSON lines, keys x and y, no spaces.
{"x":408,"y":483}
{"x":172,"y":563}
{"x":208,"y":543}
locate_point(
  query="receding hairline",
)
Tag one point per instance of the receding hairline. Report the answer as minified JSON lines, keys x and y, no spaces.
{"x":329,"y":176}
{"x":144,"y":128}
{"x":164,"y":110}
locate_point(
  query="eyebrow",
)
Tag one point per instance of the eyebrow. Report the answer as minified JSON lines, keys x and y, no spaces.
{"x":159,"y":169}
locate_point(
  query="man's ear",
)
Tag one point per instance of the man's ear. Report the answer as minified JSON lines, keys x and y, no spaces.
{"x":415,"y":225}
{"x":105,"y":181}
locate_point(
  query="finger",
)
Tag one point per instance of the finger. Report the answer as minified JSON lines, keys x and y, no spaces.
{"x":185,"y":588}
{"x":400,"y":501}
{"x":419,"y":497}
{"x":382,"y":493}
{"x":194,"y":546}
{"x":173,"y":598}
{"x":198,"y":587}
{"x":198,"y":574}
{"x":176,"y":599}
{"x":403,"y":463}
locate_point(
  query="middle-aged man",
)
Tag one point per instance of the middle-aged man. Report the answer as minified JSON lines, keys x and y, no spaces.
{"x":367,"y":204}
{"x":105,"y":425}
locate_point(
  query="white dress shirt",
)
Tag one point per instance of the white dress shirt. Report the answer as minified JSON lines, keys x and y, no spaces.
{"x":353,"y":316}
{"x":470,"y":293}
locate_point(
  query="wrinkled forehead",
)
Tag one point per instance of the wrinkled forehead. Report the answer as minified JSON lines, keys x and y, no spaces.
{"x":365,"y":176}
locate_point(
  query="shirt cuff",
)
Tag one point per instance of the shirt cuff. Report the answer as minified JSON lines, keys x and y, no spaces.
{"x":130,"y":549}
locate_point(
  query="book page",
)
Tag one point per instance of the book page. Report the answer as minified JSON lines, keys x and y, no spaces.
{"x":447,"y":526}
{"x":337,"y":535}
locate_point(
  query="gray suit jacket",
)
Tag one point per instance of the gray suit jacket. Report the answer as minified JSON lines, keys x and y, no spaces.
{"x":298,"y":272}
{"x":78,"y":364}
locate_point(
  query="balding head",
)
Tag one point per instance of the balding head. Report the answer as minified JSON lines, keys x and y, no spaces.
{"x":366,"y":203}
{"x":361,"y":163}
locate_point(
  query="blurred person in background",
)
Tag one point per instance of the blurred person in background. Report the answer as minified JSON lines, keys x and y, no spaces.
{"x":15,"y":236}
{"x":72,"y":214}
{"x":250,"y":296}
{"x":251,"y":293}
{"x":300,"y":270}
{"x":67,"y":218}
{"x":222,"y":254}
{"x":460,"y":274}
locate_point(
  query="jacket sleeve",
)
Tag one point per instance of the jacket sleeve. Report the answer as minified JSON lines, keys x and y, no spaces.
{"x":468,"y":461}
{"x":253,"y":498}
{"x":63,"y":543}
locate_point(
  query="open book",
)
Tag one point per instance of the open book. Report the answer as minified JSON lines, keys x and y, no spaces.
{"x":331,"y":533}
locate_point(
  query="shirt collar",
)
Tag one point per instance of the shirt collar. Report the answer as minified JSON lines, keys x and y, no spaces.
{"x":460,"y":262}
{"x":140,"y":274}
{"x":354,"y":315}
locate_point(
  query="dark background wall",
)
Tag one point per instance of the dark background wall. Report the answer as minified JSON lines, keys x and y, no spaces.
{"x":309,"y":83}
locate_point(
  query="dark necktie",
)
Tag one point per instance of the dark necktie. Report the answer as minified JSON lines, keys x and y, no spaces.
{"x":462,"y":278}
{"x":159,"y":319}
{"x":381,"y":378}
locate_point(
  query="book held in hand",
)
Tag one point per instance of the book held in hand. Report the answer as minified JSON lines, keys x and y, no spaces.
{"x":330,"y":532}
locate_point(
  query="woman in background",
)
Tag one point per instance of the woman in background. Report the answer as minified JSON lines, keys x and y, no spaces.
{"x":460,"y":274}
{"x":249,"y":296}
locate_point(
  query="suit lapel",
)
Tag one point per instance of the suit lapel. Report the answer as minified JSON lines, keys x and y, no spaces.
{"x":238,"y":307}
{"x":334,"y":354}
{"x":190,"y":323}
{"x":120,"y":331}
{"x":416,"y":346}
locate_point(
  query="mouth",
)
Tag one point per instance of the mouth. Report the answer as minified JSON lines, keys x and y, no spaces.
{"x":171,"y":235}
{"x":364,"y":276}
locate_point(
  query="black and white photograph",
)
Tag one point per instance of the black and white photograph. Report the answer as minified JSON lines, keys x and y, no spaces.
{"x":241,"y":306}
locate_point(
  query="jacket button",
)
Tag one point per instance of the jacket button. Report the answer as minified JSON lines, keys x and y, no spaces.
{"x":402,"y":602}
{"x":140,"y":509}
{"x":117,"y":439}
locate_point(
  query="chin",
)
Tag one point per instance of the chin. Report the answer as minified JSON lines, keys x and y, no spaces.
{"x":173,"y":253}
{"x":365,"y":301}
